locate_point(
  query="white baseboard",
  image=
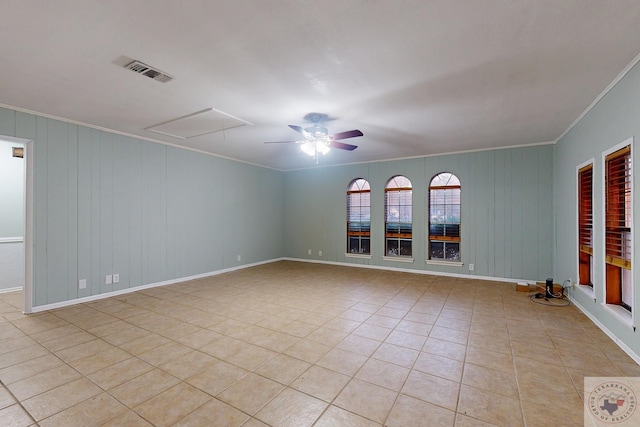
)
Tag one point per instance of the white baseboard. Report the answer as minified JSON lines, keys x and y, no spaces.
{"x":7,"y":290}
{"x":91,"y":298}
{"x":604,"y":329}
{"x":410,"y":270}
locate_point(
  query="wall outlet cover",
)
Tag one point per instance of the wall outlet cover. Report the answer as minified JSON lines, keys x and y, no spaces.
{"x":116,"y":278}
{"x":82,"y":284}
{"x":108,"y":279}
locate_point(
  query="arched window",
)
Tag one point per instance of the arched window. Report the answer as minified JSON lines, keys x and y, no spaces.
{"x":359,"y":217}
{"x":398,"y":216}
{"x":444,"y":218}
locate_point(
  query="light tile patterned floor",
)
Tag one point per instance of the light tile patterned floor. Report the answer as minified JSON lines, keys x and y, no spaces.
{"x":296,"y":344}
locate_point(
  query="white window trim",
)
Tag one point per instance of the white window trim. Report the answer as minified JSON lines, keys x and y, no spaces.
{"x":442,"y":262}
{"x":449,"y":263}
{"x":592,"y":162}
{"x":625,"y":317}
{"x":349,"y":254}
{"x":620,"y":312}
{"x":363,"y":256}
{"x":398,"y":258}
{"x":588,"y":290}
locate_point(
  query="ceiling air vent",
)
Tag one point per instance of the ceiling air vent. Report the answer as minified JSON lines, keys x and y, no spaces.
{"x":145,"y":70}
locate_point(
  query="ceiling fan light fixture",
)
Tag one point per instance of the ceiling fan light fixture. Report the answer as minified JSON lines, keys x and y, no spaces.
{"x":313,"y":148}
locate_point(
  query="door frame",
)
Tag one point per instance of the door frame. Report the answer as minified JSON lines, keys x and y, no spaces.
{"x":28,"y":219}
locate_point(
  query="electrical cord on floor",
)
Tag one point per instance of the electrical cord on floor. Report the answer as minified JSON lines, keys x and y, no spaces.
{"x":542,"y":299}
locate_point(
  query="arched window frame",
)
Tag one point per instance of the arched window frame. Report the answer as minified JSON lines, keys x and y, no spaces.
{"x":398,"y":219}
{"x":359,"y":218}
{"x":444,"y":213}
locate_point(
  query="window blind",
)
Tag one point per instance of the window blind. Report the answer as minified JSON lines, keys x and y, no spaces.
{"x":585,"y":209}
{"x":618,"y":208}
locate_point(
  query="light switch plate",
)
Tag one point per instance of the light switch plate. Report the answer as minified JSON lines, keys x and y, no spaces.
{"x":108,"y":279}
{"x":116,"y":278}
{"x":82,"y":284}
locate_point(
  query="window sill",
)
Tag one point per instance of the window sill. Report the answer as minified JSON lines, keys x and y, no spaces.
{"x":622,"y":314}
{"x":363,"y":256}
{"x":398,"y":258}
{"x":588,"y":290}
{"x":449,"y":263}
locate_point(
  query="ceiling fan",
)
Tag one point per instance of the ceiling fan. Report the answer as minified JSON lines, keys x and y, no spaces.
{"x":317,"y":139}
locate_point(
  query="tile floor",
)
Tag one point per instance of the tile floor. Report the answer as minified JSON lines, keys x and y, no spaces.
{"x":296,"y":344}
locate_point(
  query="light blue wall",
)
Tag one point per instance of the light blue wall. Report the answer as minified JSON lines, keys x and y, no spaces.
{"x":106,"y":204}
{"x":507,"y":212}
{"x":615,"y":118}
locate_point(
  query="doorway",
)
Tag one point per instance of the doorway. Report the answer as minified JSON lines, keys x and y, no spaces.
{"x":16,"y":193}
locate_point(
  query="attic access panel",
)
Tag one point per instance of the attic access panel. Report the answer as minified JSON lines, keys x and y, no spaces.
{"x":196,"y":124}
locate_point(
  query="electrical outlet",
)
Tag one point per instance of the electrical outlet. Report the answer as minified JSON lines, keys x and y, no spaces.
{"x":472,"y":267}
{"x":108,"y":279}
{"x":239,"y":258}
{"x":82,"y":284}
{"x":116,"y":278}
{"x":319,"y":253}
{"x":309,"y":252}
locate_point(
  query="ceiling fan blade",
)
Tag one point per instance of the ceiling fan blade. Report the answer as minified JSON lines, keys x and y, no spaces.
{"x":283,"y":142}
{"x":301,"y":131}
{"x":343,"y":146}
{"x":347,"y":134}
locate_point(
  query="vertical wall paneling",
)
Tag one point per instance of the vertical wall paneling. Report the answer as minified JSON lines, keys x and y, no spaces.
{"x":84,"y":184}
{"x":499,"y":213}
{"x":508,"y":213}
{"x":72,"y":212}
{"x":57,"y":210}
{"x":135,"y":213}
{"x":25,"y":126}
{"x":7,"y":122}
{"x":229,"y":241}
{"x":154,"y":212}
{"x":96,"y":282}
{"x":176,"y":201}
{"x":544,"y":207}
{"x":220,"y":212}
{"x":517,"y":212}
{"x":201,"y":214}
{"x":106,"y":209}
{"x":530,"y":202}
{"x":482,"y":219}
{"x":121,"y":218}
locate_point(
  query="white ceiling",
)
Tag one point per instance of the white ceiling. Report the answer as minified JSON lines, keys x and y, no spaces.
{"x":417,"y":77}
